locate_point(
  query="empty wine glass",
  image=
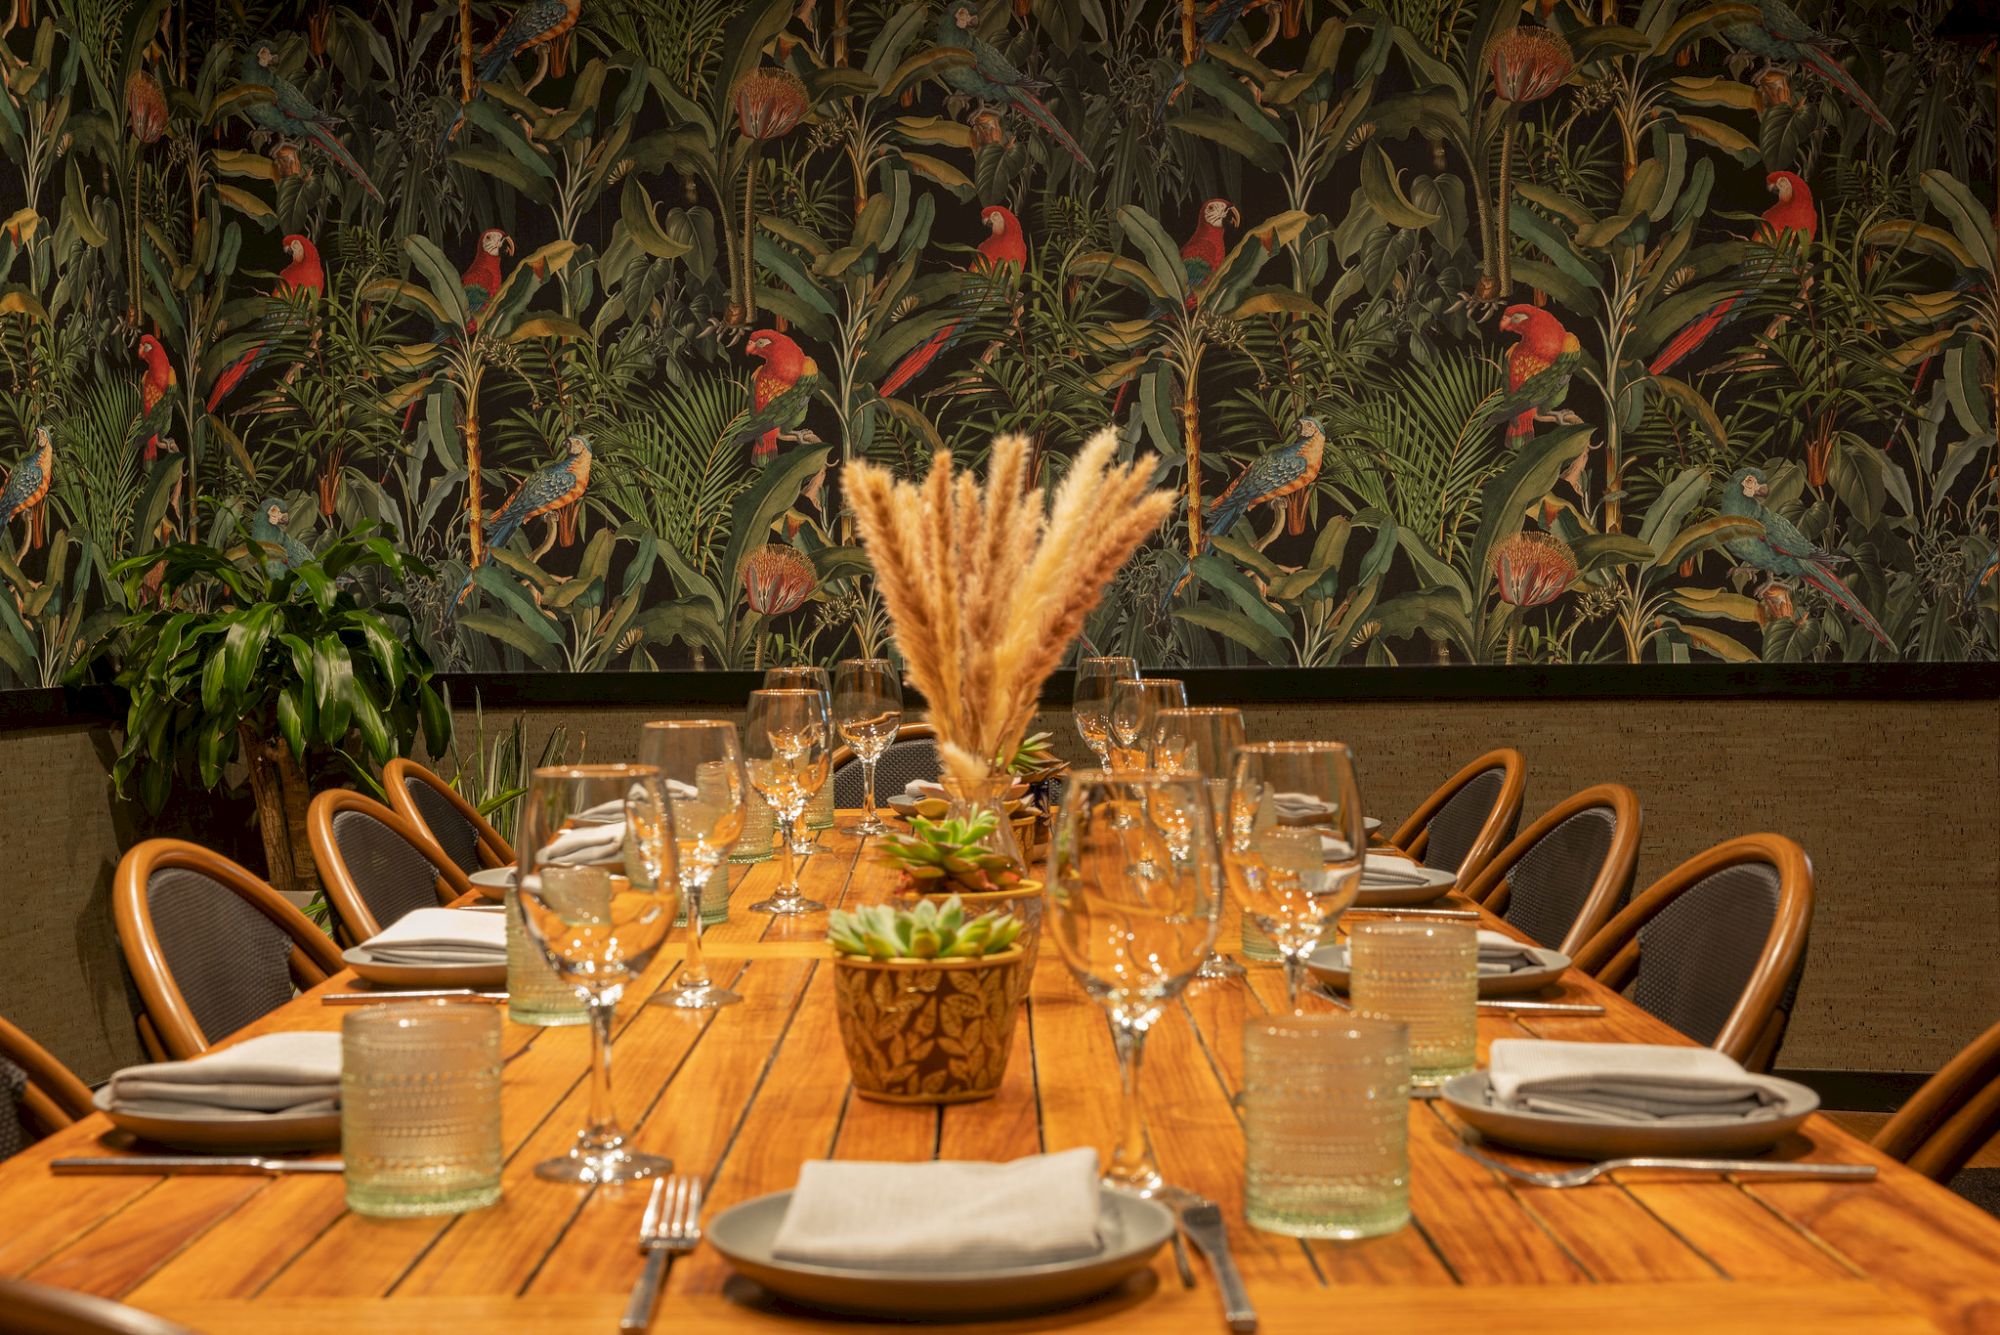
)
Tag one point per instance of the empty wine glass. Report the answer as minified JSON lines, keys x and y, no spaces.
{"x":1135,"y":706}
{"x":867,"y":709}
{"x":785,"y":751}
{"x":819,"y":807}
{"x":1202,"y":742}
{"x":701,"y":768}
{"x":1296,"y":840}
{"x":596,"y":923}
{"x":1132,"y":906}
{"x":1091,"y":700}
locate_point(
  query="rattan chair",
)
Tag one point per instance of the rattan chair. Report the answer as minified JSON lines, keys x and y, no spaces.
{"x":1956,"y":1112}
{"x":1464,"y":823}
{"x":376,"y":866}
{"x":38,"y":1309}
{"x":38,"y":1094}
{"x":424,"y":799}
{"x":210,"y":946}
{"x":1715,"y":947}
{"x":913,"y":755}
{"x":1564,"y":876}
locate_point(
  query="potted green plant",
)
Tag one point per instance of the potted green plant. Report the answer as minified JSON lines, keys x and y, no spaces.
{"x":268,"y":655}
{"x":927,"y":999}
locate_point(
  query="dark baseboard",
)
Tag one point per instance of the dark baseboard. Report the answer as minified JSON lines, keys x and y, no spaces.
{"x":1859,"y":1091}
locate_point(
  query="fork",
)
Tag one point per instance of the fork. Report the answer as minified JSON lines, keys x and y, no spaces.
{"x":1576,"y":1177}
{"x":672,"y":1225}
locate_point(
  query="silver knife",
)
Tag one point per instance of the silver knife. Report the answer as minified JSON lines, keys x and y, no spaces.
{"x":199,"y":1164}
{"x":1548,"y":1007}
{"x":1383,"y":910}
{"x":435,"y":994}
{"x":1202,"y":1220}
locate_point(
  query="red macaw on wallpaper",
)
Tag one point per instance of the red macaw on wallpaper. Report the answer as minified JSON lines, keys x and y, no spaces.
{"x":1790,"y":220}
{"x":1201,"y":255}
{"x":1002,"y":256}
{"x":154,"y":384}
{"x":303,"y":274}
{"x":780,"y":391}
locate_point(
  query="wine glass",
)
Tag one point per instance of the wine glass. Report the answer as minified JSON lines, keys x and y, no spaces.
{"x":1202,"y":742}
{"x":597,"y":924}
{"x":867,"y":709}
{"x":1133,"y":904}
{"x":1295,"y":870}
{"x":1091,"y":700}
{"x":819,"y":806}
{"x":701,"y":768}
{"x":1135,"y":703}
{"x":785,"y":751}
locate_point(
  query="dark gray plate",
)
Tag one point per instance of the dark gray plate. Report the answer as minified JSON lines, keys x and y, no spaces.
{"x":223,"y":1133}
{"x":1469,"y":1097}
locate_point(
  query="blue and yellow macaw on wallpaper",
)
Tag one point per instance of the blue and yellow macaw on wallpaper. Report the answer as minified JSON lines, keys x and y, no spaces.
{"x":1783,"y":552}
{"x":1272,"y":478}
{"x":534,"y":24}
{"x":268,"y":528}
{"x":28,"y":485}
{"x":290,"y":113}
{"x":1778,"y":33}
{"x":992,"y":78}
{"x":543,"y":491}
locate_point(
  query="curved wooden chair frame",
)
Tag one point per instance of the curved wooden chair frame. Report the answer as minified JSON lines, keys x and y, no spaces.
{"x":1614,"y":878}
{"x":39,"y":1309}
{"x":909,"y":732}
{"x":168,"y":1027}
{"x":1414,"y":834}
{"x":1955,"y":1113}
{"x":494,"y":850}
{"x":54,"y":1097}
{"x":357,"y":920}
{"x":1757,"y":1021}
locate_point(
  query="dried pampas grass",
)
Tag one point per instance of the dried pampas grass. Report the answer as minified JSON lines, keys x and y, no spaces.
{"x":988,"y":585}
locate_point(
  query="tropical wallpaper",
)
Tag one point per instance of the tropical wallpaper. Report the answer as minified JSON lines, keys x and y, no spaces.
{"x":1571,"y":331}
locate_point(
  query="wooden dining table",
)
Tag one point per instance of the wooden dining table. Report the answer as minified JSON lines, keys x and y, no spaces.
{"x":745,"y":1095}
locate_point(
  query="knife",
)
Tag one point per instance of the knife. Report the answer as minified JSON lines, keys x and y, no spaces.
{"x":199,"y":1164}
{"x":1384,"y":911}
{"x":436,"y":994}
{"x":1202,"y":1221}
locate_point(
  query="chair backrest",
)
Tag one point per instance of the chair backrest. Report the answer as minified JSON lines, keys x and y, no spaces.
{"x":38,"y":1094}
{"x":1715,"y":946}
{"x":376,"y":866}
{"x":913,"y":755}
{"x":210,"y":946}
{"x":420,"y":796}
{"x":1956,"y":1112}
{"x":1564,"y":876}
{"x":1464,"y":823}
{"x":38,"y":1309}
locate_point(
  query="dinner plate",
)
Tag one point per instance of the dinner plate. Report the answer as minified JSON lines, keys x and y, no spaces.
{"x":1470,"y":1095}
{"x":366,"y":966}
{"x":1431,"y":883}
{"x":1329,"y":965}
{"x":223,"y":1133}
{"x":493,"y":882}
{"x":1132,"y":1229}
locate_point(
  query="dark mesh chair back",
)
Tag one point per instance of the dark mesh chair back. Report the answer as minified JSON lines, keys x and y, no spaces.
{"x":456,"y":835}
{"x":1455,"y":828}
{"x":392,"y":876}
{"x":1697,"y":954}
{"x":14,"y":1135}
{"x":904,"y":761}
{"x":1550,"y":883}
{"x":230,"y":962}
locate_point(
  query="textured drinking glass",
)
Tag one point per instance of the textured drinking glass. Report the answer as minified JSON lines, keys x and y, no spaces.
{"x":819,"y":804}
{"x":420,"y":1107}
{"x":1326,"y":1126}
{"x":701,"y":766}
{"x":867,"y":710}
{"x":1090,"y":700}
{"x":1427,"y":977}
{"x":760,"y":830}
{"x":535,"y":995}
{"x":786,"y":746}
{"x":1135,"y":708}
{"x":1203,"y":742}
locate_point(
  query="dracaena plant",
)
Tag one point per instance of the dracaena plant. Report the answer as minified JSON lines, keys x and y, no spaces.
{"x":276,"y":657}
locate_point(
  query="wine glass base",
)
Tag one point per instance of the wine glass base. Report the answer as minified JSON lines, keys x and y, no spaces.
{"x":695,"y":997}
{"x":1220,"y":967}
{"x":872,"y":825}
{"x":1146,"y":1182}
{"x":787,"y":907}
{"x":613,"y":1165}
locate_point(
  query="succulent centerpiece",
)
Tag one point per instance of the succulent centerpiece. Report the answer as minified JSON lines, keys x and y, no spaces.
{"x":952,"y":855}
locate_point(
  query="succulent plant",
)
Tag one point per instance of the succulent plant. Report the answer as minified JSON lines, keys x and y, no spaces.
{"x":926,"y":931}
{"x":950,"y":855}
{"x":1035,"y":755}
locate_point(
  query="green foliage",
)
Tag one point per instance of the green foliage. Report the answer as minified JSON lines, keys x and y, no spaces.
{"x":926,"y":930}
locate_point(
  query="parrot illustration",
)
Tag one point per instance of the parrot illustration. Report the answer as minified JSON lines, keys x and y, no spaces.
{"x":154,"y":384}
{"x":1791,"y":219}
{"x":28,"y":485}
{"x":269,"y":528}
{"x":1539,"y":366}
{"x":1780,"y":34}
{"x":1220,"y":18}
{"x":780,"y":391}
{"x":544,"y":491}
{"x":534,"y":24}
{"x":1983,"y":578}
{"x":288,"y":112}
{"x":1002,"y":256}
{"x":303,"y":274}
{"x":992,"y":78}
{"x":1275,"y":477}
{"x":1201,"y":256}
{"x":1782,"y":552}
{"x":480,"y":283}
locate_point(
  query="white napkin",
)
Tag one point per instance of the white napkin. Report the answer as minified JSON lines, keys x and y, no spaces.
{"x":1624,"y":1082}
{"x":1500,"y":954}
{"x":605,"y":813}
{"x":945,"y":1215}
{"x":918,"y":789}
{"x":441,"y":936}
{"x":1390,"y":869}
{"x":273,"y":1073}
{"x":582,"y":845}
{"x":1296,"y":808}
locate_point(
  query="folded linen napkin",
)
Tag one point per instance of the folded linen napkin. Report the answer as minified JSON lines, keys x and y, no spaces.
{"x":1387,"y":869}
{"x":441,"y":936}
{"x":1500,"y":954}
{"x":1297,"y":808}
{"x":582,"y":845}
{"x":944,"y":1215}
{"x":605,"y":813}
{"x":272,"y":1073}
{"x":1624,"y":1082}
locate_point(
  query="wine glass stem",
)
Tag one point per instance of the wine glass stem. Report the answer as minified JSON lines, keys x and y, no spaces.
{"x":1132,"y":1161}
{"x":1295,"y":970}
{"x":601,"y":1133}
{"x":868,"y":793}
{"x":694,"y":973}
{"x":788,"y":887}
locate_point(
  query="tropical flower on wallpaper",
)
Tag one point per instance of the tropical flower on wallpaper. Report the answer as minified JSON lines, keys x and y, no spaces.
{"x":1574,"y":331}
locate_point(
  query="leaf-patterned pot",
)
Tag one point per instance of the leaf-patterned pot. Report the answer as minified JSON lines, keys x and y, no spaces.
{"x":928,"y":1031}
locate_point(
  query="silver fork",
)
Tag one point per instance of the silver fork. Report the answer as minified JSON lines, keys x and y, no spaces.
{"x":672,"y":1225}
{"x":1576,"y":1177}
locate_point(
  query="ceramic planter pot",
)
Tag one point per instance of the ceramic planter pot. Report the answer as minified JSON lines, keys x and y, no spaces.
{"x":928,"y":1031}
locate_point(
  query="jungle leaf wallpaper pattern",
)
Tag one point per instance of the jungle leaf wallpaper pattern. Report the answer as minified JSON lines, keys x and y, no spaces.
{"x":1563,"y":332}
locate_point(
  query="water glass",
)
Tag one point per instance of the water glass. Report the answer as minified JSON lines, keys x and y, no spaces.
{"x":1326,"y":1122}
{"x":1135,"y":708}
{"x":420,"y":1107}
{"x":1090,"y":700}
{"x":535,"y":995}
{"x":756,"y":843}
{"x":1427,"y":977}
